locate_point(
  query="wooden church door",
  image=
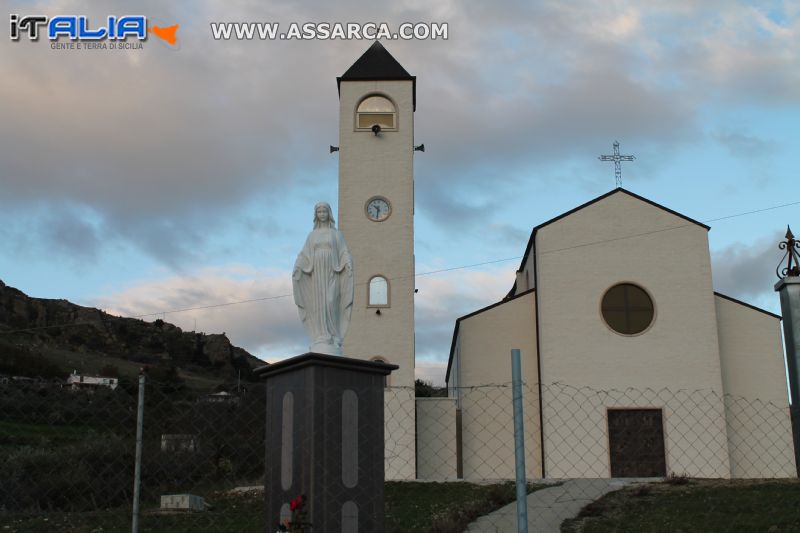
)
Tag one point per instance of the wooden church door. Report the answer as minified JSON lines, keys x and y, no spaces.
{"x":636,"y":443}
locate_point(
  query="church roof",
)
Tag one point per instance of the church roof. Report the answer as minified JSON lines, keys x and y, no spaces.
{"x":377,"y":64}
{"x":618,"y":190}
{"x":745,"y":304}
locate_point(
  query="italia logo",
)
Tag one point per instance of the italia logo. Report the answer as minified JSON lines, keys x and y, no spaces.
{"x":78,"y":28}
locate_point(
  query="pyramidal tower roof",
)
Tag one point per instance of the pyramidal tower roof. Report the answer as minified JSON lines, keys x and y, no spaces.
{"x":377,"y":64}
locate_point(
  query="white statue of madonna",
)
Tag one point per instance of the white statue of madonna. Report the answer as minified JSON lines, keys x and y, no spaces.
{"x":322,"y":280}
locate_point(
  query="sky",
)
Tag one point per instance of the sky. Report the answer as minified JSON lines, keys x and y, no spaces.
{"x":175,"y":177}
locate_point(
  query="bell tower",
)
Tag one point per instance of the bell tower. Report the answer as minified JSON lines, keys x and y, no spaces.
{"x":377,"y":99}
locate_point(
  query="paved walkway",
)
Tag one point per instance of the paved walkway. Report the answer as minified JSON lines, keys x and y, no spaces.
{"x":547,"y":508}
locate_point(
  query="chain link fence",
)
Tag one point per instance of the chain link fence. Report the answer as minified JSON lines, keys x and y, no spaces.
{"x":67,"y":455}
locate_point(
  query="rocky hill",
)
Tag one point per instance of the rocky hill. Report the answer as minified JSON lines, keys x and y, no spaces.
{"x":50,"y":338}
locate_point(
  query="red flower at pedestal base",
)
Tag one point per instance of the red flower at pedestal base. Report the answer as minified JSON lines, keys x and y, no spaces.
{"x":298,"y":522}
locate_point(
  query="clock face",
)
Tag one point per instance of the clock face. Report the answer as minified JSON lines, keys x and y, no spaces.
{"x":378,"y":208}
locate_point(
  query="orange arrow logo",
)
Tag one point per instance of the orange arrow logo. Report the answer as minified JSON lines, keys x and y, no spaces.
{"x":167,"y":34}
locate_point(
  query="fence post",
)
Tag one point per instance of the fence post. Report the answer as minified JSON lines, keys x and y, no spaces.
{"x":519,"y":442}
{"x":137,"y":475}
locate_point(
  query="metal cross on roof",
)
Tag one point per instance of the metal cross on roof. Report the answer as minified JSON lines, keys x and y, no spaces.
{"x":617,"y":159}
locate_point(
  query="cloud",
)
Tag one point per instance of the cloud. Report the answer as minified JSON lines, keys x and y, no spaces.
{"x":164,"y":147}
{"x":743,"y":145}
{"x":265,"y":323}
{"x":499,"y":151}
{"x":747,"y":272}
{"x":445,"y":297}
{"x":70,"y":233}
{"x":150,"y":141}
{"x":508,"y":234}
{"x":746,"y":54}
{"x":541,"y":84}
{"x":432,"y":372}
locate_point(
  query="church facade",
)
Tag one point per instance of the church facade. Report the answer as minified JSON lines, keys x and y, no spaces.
{"x":633,"y":365}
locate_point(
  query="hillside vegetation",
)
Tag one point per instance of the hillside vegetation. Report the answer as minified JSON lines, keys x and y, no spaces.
{"x":51,"y":338}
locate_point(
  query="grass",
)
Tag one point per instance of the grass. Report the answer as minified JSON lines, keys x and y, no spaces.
{"x":13,"y":433}
{"x":443,"y":507}
{"x":687,"y":506}
{"x":410,"y":507}
{"x":240,"y":514}
{"x":695,"y":505}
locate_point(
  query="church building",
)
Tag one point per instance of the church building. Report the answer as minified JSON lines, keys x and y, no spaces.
{"x":634,"y":366}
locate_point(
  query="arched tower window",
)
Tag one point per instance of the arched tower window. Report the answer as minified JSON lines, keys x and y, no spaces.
{"x":378,"y":110}
{"x":378,"y":292}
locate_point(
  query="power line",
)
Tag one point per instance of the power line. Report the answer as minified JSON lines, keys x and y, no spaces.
{"x":603,"y":241}
{"x":226,"y":304}
{"x":211,"y":306}
{"x":464,"y":266}
{"x":754,"y":211}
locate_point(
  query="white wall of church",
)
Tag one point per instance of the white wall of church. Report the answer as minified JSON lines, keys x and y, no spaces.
{"x":486,"y":337}
{"x":579,"y":257}
{"x":436,"y":438}
{"x":484,"y":377}
{"x":756,"y":400}
{"x":577,"y":440}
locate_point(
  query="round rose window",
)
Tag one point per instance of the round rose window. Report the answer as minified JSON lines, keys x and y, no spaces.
{"x":627,"y":309}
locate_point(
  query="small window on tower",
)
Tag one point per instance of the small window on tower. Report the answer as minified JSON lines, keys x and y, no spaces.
{"x":378,"y":292}
{"x":376,"y":110}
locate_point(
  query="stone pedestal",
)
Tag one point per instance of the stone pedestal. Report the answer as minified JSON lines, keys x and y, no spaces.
{"x":324,"y":440}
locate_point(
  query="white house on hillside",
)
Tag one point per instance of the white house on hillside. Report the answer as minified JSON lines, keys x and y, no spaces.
{"x":76,"y":381}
